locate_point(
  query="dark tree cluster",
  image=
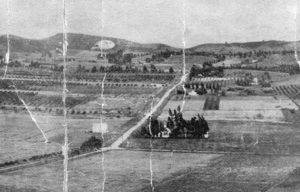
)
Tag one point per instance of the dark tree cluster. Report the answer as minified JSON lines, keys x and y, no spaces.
{"x":122,"y":69}
{"x":265,"y":80}
{"x":246,"y":80}
{"x":91,"y":144}
{"x":198,"y":87}
{"x":196,"y":127}
{"x":119,"y":57}
{"x":124,"y":77}
{"x":1,"y":60}
{"x":206,"y":71}
{"x":11,"y":63}
{"x":254,"y":53}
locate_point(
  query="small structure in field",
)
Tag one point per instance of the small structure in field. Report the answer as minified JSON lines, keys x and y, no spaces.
{"x":99,"y":128}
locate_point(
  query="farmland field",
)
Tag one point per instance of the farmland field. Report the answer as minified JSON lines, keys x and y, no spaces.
{"x":260,"y":108}
{"x":150,"y":96}
{"x":123,"y":173}
{"x":23,"y":140}
{"x":189,"y":60}
{"x":275,"y":76}
{"x":233,"y":136}
{"x":199,"y":171}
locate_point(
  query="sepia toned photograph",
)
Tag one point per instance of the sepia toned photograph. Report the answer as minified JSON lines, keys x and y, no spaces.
{"x":149,"y":96}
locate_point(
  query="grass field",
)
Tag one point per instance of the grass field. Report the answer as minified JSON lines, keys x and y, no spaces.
{"x":245,"y":173}
{"x":172,"y":172}
{"x":234,"y":136}
{"x":123,"y":173}
{"x":23,"y":140}
{"x":177,"y":61}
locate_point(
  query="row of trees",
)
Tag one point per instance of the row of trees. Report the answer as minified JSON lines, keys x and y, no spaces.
{"x":291,"y":69}
{"x":92,"y":144}
{"x":121,"y":69}
{"x":11,"y":63}
{"x":254,"y":53}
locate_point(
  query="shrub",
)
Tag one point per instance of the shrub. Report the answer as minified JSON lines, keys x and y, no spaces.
{"x":223,"y":92}
{"x":91,"y":144}
{"x":75,"y":152}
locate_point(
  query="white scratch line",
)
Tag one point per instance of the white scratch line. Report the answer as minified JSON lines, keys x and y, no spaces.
{"x":65,"y":147}
{"x":101,"y":121}
{"x":102,"y":95}
{"x":7,"y":55}
{"x":296,"y":36}
{"x":31,"y":116}
{"x":183,"y":52}
{"x":151,"y":147}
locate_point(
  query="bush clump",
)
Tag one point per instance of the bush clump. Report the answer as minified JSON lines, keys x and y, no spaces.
{"x":92,"y":143}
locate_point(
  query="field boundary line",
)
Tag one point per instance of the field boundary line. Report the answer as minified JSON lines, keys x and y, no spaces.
{"x":49,"y":161}
{"x":210,"y":152}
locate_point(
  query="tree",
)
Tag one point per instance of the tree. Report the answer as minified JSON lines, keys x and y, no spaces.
{"x":34,"y":64}
{"x":91,"y":144}
{"x":61,"y":68}
{"x":171,"y":70}
{"x":116,"y":57}
{"x":94,"y":69}
{"x":194,"y":71}
{"x":148,"y":60}
{"x":127,"y":58}
{"x":145,"y":69}
{"x":79,"y":69}
{"x":153,"y":68}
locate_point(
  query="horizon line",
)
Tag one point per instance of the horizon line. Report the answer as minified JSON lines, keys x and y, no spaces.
{"x":216,"y":43}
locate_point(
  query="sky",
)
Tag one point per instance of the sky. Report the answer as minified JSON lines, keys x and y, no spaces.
{"x":179,"y":23}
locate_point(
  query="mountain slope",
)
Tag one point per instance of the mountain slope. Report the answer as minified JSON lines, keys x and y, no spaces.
{"x":86,"y":42}
{"x":246,"y":47}
{"x":75,"y":41}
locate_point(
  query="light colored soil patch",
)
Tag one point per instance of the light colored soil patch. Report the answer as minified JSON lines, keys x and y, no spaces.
{"x":255,"y":103}
{"x":111,"y":102}
{"x":189,"y":105}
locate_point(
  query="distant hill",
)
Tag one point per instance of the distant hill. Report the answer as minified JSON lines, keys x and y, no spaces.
{"x":75,"y":42}
{"x":246,"y":47}
{"x":86,"y":42}
{"x":218,"y":48}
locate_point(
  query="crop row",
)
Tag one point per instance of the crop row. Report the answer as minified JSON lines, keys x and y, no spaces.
{"x":32,"y":99}
{"x":292,"y":91}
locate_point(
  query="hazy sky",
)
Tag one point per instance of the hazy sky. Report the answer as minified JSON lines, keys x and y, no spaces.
{"x":153,"y":21}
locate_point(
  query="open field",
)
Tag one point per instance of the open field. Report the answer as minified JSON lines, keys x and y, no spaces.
{"x":177,"y":61}
{"x":254,"y":136}
{"x":23,"y":140}
{"x":260,"y":108}
{"x":233,"y":136}
{"x":123,"y":173}
{"x":293,"y":80}
{"x":245,"y":173}
{"x":172,"y":172}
